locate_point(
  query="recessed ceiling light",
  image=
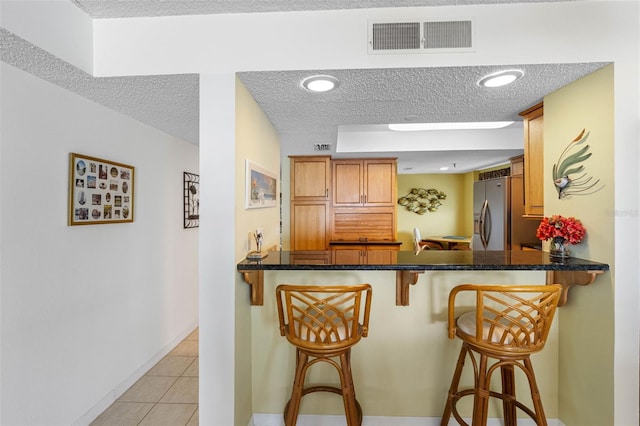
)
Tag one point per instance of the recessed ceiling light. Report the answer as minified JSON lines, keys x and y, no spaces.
{"x":320,"y":83}
{"x":500,"y":78}
{"x":443,"y":168}
{"x":450,"y":126}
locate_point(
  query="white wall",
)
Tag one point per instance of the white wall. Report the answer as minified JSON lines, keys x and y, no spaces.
{"x":84,"y":308}
{"x":217,"y":276}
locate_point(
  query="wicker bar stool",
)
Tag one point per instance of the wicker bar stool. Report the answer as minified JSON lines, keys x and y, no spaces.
{"x":323,"y":323}
{"x":510,"y":322}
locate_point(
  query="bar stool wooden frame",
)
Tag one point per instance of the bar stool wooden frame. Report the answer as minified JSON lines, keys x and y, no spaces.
{"x":510,"y":322}
{"x":323,"y":323}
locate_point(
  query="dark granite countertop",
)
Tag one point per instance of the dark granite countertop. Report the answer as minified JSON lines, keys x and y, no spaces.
{"x":364,"y":243}
{"x":430,"y":260}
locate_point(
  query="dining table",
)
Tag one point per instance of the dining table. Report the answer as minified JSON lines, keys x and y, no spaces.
{"x":448,"y":241}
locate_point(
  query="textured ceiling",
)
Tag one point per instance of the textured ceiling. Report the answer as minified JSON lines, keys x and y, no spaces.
{"x":398,"y":95}
{"x":167,"y":102}
{"x":147,"y":8}
{"x":170,"y":103}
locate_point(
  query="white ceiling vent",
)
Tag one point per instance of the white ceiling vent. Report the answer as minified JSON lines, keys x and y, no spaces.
{"x":410,"y":36}
{"x":322,"y":147}
{"x":396,"y":36}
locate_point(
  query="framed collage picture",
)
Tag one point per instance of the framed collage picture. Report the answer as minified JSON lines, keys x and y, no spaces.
{"x":100,"y":191}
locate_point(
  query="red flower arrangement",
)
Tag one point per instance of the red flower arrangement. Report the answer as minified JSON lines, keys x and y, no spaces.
{"x":556,"y":226}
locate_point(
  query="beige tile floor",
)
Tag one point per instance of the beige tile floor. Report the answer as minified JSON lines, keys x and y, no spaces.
{"x":166,"y":395}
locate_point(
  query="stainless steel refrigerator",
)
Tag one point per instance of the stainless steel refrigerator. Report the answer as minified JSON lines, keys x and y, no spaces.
{"x":498,"y":208}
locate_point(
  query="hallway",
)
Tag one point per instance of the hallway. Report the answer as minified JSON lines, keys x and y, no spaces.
{"x":166,"y":395}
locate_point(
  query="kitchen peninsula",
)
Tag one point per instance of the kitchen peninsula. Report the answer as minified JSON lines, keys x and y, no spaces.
{"x":408,"y":265}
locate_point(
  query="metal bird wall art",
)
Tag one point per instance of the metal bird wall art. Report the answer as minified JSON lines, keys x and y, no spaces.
{"x":569,"y":176}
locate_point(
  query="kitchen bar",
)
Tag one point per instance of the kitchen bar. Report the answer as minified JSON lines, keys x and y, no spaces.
{"x":408,"y":265}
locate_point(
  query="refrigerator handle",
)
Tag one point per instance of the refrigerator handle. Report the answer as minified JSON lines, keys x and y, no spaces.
{"x":483,"y":223}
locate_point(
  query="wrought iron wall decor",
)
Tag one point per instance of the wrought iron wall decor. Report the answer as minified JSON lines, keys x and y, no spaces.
{"x":191,"y":200}
{"x":569,"y":176}
{"x":421,"y":200}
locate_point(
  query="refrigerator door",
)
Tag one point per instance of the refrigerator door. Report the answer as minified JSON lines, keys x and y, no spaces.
{"x":477,"y":242}
{"x":491,"y":214}
{"x":498,"y":216}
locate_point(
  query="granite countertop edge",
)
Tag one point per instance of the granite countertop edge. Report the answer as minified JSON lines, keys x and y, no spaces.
{"x":430,"y":261}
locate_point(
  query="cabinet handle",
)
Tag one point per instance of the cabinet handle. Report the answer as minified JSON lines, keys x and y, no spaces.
{"x":326,"y":193}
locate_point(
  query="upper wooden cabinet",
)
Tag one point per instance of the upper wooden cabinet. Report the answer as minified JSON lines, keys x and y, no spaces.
{"x":533,"y":121}
{"x":310,"y":178}
{"x":370,"y":183}
{"x":310,"y":211}
{"x":363,"y":194}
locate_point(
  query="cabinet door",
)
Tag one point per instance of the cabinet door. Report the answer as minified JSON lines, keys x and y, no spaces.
{"x":379,"y":183}
{"x":533,"y":161}
{"x":309,"y":226}
{"x":381,"y":255}
{"x":347,"y":255}
{"x":310,"y":177}
{"x":347,"y":183}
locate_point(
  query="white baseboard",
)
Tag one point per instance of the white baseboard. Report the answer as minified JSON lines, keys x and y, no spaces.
{"x":115,"y":393}
{"x":317,"y":420}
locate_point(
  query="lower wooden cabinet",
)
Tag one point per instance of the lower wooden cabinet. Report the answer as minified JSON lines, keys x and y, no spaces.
{"x":364,"y":254}
{"x":309,"y":225}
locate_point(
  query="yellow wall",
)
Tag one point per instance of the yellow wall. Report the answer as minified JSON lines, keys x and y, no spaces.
{"x":404,"y":367}
{"x":587,"y":321}
{"x":256,"y":140}
{"x":452,"y":217}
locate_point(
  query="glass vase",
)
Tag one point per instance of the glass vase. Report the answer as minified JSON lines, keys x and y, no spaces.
{"x":559,"y":248}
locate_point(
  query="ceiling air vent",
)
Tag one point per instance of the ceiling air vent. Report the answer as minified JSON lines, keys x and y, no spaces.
{"x":321,"y":147}
{"x":447,"y":35}
{"x":408,"y":36}
{"x":396,"y":36}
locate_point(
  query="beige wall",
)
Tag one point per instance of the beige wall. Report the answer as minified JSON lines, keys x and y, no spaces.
{"x":451,"y":217}
{"x":256,"y":140}
{"x":587,"y":321}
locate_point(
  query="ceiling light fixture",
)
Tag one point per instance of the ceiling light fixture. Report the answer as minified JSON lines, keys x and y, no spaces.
{"x":320,"y":83}
{"x":403,"y":127}
{"x":500,"y":78}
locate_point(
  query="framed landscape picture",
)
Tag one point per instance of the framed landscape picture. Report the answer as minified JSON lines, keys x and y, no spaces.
{"x":262,"y":187}
{"x":100,"y":191}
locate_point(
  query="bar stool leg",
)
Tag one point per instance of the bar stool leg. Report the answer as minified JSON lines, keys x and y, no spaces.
{"x":453,"y":389}
{"x":540,"y":419}
{"x":293,"y":406}
{"x":348,"y":390}
{"x":481,"y":395}
{"x":509,"y":395}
